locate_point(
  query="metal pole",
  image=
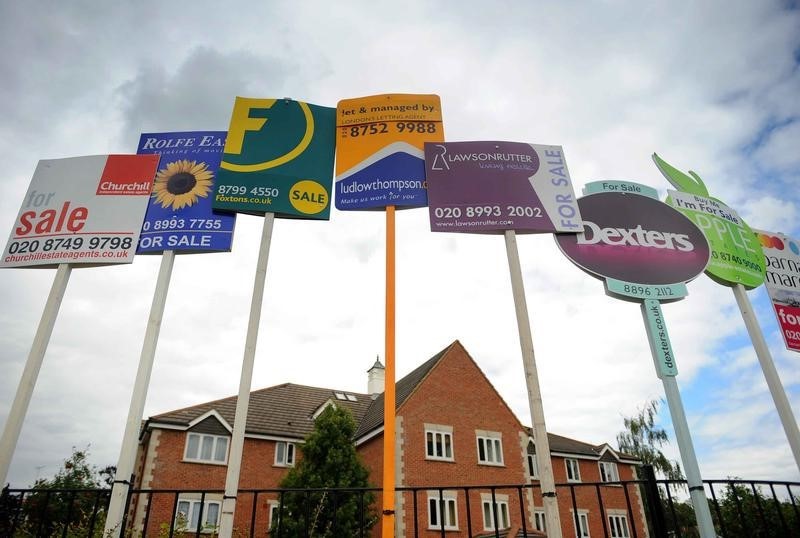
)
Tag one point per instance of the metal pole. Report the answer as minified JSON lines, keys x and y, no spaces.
{"x":127,"y":454}
{"x":388,"y":513}
{"x":546,"y":478}
{"x":8,"y":442}
{"x":658,"y":338}
{"x":243,"y":400}
{"x":770,"y":373}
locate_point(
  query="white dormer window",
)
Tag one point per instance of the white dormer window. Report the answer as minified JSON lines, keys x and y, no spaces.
{"x":608,"y":472}
{"x":206,"y":448}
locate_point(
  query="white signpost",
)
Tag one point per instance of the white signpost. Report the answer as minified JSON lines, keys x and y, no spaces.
{"x":77,"y":211}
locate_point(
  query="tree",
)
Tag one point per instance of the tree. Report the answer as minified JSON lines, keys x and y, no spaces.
{"x":329,"y":461}
{"x":71,"y":503}
{"x":644,"y":440}
{"x":745,"y":511}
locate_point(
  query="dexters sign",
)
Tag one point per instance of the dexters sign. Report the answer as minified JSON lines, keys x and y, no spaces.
{"x":642,"y":247}
{"x":645,"y":250}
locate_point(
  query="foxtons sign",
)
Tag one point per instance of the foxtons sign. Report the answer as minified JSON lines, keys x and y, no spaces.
{"x":635,"y":239}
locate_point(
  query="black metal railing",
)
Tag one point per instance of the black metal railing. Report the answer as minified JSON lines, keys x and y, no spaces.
{"x":624,"y":509}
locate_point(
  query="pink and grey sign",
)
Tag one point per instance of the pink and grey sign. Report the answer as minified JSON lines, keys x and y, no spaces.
{"x":636,"y":239}
{"x":495,"y":186}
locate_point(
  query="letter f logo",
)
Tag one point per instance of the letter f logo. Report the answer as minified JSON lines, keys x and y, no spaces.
{"x":241,"y":122}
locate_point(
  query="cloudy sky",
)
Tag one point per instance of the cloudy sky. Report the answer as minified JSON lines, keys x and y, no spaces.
{"x":711,"y":86}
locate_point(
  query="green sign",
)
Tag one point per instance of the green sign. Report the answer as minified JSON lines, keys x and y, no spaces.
{"x":736,"y":254}
{"x":620,"y":186}
{"x":658,"y":337}
{"x":278,"y":158}
{"x":665,"y":293}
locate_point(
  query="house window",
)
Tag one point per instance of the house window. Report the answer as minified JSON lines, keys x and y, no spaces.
{"x":582,"y":524}
{"x":274,"y":515}
{"x":206,"y":448}
{"x":619,"y":526}
{"x":533,"y":466}
{"x":490,"y":448}
{"x":539,"y":522}
{"x":608,"y":472}
{"x":284,"y":454}
{"x":188,"y":516}
{"x":500,"y":507}
{"x":438,"y":442}
{"x":573,"y":471}
{"x":442,"y":510}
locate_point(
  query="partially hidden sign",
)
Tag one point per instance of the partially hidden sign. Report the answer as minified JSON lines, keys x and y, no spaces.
{"x":736,"y":256}
{"x":489,"y":187}
{"x":82,"y":210}
{"x":179,"y":216}
{"x":278,"y":158}
{"x":782,"y":281}
{"x":379,"y":149}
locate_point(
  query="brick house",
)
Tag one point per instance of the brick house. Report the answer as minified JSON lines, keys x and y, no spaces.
{"x":453,"y":429}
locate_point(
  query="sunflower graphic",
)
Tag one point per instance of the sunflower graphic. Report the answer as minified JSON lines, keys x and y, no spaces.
{"x":181,"y":182}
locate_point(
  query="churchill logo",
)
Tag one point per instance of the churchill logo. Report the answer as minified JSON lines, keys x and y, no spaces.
{"x":128,"y":175}
{"x":636,"y":239}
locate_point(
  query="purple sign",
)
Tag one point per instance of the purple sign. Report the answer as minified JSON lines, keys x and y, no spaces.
{"x":636,"y":239}
{"x":495,"y":186}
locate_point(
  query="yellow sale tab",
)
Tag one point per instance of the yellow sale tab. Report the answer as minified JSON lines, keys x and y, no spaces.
{"x":380,"y":158}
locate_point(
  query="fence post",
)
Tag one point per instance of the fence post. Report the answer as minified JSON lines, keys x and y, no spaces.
{"x":654,"y":502}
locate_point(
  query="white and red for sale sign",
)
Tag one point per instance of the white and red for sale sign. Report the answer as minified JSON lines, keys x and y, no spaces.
{"x":82,"y":210}
{"x":783,"y":283}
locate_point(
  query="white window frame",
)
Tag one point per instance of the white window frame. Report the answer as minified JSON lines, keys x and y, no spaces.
{"x":201,"y":439}
{"x":621,"y":529}
{"x":608,"y":471}
{"x":539,"y":521}
{"x":533,"y":466}
{"x":573,"y":470}
{"x":441,"y":442}
{"x":289,"y":454}
{"x":581,"y":523}
{"x":491,"y":444}
{"x":193,"y":508}
{"x":448,"y":501}
{"x":503,"y":515}
{"x":274,"y":507}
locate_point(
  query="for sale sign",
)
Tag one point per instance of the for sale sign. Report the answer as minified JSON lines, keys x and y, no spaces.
{"x":379,"y":149}
{"x":179,"y":216}
{"x":783,"y":283}
{"x":496,"y":186}
{"x":278,"y":158}
{"x":82,"y":210}
{"x":637,"y":240}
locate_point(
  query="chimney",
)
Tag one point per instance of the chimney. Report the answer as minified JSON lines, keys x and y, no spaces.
{"x":376,"y":377}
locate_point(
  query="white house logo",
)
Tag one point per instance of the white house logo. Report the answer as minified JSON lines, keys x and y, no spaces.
{"x":637,"y":239}
{"x":439,"y":160}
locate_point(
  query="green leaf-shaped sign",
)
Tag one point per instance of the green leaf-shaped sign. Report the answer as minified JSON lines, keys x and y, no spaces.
{"x":736,"y":255}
